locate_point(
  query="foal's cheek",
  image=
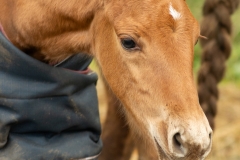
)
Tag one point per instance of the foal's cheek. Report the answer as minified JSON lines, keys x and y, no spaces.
{"x":112,"y":64}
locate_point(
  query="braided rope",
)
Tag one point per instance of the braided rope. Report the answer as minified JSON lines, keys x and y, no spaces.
{"x":216,"y":26}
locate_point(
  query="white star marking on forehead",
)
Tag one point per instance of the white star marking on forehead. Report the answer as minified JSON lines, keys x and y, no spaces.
{"x":175,"y":14}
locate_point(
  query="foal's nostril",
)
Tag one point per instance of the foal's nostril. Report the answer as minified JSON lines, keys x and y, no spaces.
{"x":178,"y":147}
{"x":177,"y":140}
{"x":210,"y":140}
{"x":210,"y":136}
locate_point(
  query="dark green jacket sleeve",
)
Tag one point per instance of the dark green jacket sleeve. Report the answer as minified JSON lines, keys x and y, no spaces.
{"x":46,"y":112}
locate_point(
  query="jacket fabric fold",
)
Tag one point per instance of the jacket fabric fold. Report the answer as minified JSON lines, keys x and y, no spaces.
{"x":46,"y":112}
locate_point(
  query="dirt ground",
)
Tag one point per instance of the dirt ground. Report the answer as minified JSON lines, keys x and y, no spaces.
{"x":226,"y":139}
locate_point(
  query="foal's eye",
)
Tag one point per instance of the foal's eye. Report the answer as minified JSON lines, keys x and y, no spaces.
{"x":128,"y":44}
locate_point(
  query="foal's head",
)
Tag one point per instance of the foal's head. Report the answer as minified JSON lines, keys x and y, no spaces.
{"x":145,"y":50}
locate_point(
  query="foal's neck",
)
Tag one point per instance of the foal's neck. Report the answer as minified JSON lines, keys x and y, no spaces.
{"x":49,"y":30}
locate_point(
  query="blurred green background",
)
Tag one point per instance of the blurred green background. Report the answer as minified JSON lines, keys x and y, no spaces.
{"x":232,"y":74}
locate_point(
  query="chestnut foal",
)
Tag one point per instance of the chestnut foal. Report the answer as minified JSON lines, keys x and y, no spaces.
{"x":145,"y":51}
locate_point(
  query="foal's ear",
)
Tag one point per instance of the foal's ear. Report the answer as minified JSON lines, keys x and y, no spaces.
{"x":202,"y":37}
